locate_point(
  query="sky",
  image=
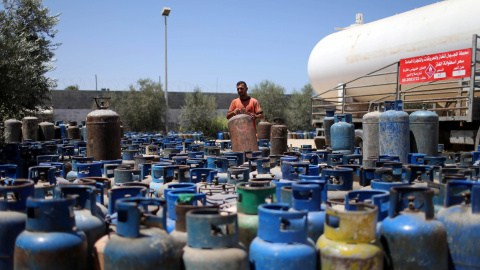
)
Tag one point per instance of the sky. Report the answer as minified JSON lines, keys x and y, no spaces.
{"x":211,"y":44}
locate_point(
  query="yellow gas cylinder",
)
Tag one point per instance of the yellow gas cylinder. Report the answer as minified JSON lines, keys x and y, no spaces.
{"x":349,"y":239}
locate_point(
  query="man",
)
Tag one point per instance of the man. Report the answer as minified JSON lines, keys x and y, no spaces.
{"x":245,"y":104}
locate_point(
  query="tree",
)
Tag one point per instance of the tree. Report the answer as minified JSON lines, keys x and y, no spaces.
{"x":72,"y":87}
{"x":198,"y":113}
{"x":26,"y":53}
{"x":143,"y":107}
{"x":299,"y":108}
{"x":271,"y":98}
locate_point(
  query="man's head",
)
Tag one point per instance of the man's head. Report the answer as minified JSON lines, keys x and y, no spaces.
{"x":242,"y":89}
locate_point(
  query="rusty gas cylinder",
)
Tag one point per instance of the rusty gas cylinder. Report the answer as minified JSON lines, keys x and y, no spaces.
{"x":30,"y":128}
{"x":13,"y":131}
{"x":242,"y":133}
{"x":73,"y":130}
{"x":103,"y":133}
{"x":46,"y":131}
{"x":278,"y":137}
{"x":263,"y":130}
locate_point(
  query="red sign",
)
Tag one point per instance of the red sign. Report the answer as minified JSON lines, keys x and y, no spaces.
{"x":435,"y":67}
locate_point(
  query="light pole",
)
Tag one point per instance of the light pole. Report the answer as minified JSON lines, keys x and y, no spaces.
{"x":165,"y":13}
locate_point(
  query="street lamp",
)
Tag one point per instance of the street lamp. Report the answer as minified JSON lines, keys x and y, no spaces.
{"x":165,"y":13}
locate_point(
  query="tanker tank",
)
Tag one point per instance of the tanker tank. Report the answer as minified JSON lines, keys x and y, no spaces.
{"x":363,"y":48}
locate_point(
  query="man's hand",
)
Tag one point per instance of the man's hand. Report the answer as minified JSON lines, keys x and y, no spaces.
{"x":237,"y":111}
{"x":254,"y":116}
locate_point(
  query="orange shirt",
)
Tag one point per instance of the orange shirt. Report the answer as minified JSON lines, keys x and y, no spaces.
{"x":250,"y":105}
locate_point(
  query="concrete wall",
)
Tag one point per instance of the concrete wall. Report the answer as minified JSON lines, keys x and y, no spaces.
{"x":75,"y":105}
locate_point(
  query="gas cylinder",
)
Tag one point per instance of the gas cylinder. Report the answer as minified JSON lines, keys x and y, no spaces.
{"x":242,"y":132}
{"x":46,"y":131}
{"x":309,"y":196}
{"x":341,"y":134}
{"x":180,"y":232}
{"x":410,"y":227}
{"x":73,"y":131}
{"x":250,"y":196}
{"x":394,"y":130}
{"x":349,"y":119}
{"x":424,"y":132}
{"x":350,"y":239}
{"x":13,"y":131}
{"x":212,"y":242}
{"x":143,"y":233}
{"x":377,"y":197}
{"x":278,"y":138}
{"x":328,"y":121}
{"x":51,"y":239}
{"x":370,"y":133}
{"x":14,"y":196}
{"x":282,"y":241}
{"x":237,"y":175}
{"x":461,"y":218}
{"x":184,"y":195}
{"x":103,"y":133}
{"x":30,"y":128}
{"x":86,"y":218}
{"x":263,"y":130}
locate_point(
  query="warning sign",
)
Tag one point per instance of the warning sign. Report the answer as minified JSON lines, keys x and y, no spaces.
{"x":440,"y":66}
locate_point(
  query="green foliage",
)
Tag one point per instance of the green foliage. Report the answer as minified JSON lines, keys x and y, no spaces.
{"x":271,"y":98}
{"x":198,"y":113}
{"x":299,"y":109}
{"x":72,"y":87}
{"x":142,"y":108}
{"x":26,"y":49}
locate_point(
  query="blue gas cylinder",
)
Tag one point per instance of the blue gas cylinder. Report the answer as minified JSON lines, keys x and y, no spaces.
{"x":140,"y":243}
{"x":86,"y":218}
{"x":12,"y":215}
{"x":411,"y":237}
{"x":282,"y":241}
{"x":309,"y":195}
{"x":461,"y":218}
{"x":394,"y":131}
{"x":212,"y":242}
{"x":377,"y":197}
{"x":184,"y":196}
{"x":341,"y":133}
{"x":71,"y":175}
{"x":50,"y":240}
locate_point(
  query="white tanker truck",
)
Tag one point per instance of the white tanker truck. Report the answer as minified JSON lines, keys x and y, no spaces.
{"x":361,"y":65}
